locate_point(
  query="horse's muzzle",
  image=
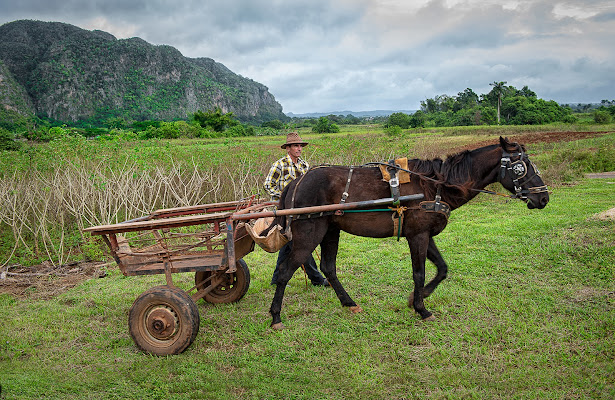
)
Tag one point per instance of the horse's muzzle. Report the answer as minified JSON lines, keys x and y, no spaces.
{"x":538,"y":202}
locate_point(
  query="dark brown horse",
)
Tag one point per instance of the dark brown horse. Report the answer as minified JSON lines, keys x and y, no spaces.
{"x":451,"y":183}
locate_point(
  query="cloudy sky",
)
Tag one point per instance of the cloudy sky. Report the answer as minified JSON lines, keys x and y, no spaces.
{"x":338,"y":55}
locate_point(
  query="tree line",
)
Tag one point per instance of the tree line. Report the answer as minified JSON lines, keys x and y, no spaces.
{"x":504,"y":104}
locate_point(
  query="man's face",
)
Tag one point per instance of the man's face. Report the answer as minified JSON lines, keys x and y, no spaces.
{"x":294,"y":150}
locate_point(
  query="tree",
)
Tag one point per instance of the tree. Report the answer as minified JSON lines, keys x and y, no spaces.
{"x":526,"y":92}
{"x":602,"y":117}
{"x":417,"y":120}
{"x":399,"y":119}
{"x":275,"y":124}
{"x":215,"y":119}
{"x":324,"y":126}
{"x":498,"y":88}
{"x":466,"y":99}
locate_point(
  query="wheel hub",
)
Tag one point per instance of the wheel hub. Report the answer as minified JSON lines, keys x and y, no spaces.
{"x":162,"y":322}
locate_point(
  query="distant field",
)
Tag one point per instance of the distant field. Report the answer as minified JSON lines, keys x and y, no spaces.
{"x":50,"y":192}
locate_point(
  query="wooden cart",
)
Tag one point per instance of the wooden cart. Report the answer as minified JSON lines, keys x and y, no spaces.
{"x":203,"y":239}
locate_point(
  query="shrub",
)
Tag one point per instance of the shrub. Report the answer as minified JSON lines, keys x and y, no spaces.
{"x":7,"y":141}
{"x":602,"y":117}
{"x":239,"y":130}
{"x":393,"y":130}
{"x":275,"y":124}
{"x":399,"y":119}
{"x":325,"y":126}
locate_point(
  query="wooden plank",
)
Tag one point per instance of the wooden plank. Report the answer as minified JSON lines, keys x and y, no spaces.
{"x":201,"y":208}
{"x":201,"y":263}
{"x":158,"y":223}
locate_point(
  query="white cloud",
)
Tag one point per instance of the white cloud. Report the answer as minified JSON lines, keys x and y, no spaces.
{"x":326,"y":55}
{"x":103,"y":24}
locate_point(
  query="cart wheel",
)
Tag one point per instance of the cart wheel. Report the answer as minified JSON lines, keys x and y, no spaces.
{"x":233,"y":287}
{"x":163,"y":320}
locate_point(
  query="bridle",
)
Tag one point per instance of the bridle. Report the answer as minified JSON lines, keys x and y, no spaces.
{"x":517,"y":170}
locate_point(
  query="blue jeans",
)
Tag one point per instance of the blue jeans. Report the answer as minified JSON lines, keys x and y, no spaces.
{"x":310,"y":266}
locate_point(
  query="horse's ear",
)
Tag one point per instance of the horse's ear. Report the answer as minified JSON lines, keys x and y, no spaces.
{"x":507,"y":145}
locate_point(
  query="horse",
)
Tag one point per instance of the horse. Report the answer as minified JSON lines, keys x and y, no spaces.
{"x":446,"y":185}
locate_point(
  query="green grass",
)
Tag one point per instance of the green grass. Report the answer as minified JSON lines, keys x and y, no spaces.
{"x":528,"y":311}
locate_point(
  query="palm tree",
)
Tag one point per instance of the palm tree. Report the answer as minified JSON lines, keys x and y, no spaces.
{"x":498,"y":88}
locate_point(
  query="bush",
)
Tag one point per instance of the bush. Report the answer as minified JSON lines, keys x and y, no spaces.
{"x":393,"y":130}
{"x":239,"y":130}
{"x":275,"y":124}
{"x":325,"y":126}
{"x":7,"y":141}
{"x":602,"y":117}
{"x":417,"y":120}
{"x":399,"y":119}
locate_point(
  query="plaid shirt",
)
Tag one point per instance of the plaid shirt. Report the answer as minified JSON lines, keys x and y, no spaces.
{"x":283,"y":172}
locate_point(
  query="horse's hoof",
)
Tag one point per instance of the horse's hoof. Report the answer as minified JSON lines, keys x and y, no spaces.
{"x":411,"y":300}
{"x":430,"y":318}
{"x":355,"y":309}
{"x":277,"y":327}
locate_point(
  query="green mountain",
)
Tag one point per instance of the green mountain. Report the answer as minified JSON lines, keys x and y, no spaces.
{"x":59,"y":71}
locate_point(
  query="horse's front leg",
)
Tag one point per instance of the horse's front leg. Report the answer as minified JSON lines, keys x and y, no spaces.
{"x":287,"y":270}
{"x":329,"y":247}
{"x":306,"y":236}
{"x":418,"y":252}
{"x":433,"y":255}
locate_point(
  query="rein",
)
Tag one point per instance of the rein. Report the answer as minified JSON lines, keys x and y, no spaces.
{"x":517,"y":169}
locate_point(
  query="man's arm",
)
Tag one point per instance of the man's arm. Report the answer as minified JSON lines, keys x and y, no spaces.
{"x":272,"y":181}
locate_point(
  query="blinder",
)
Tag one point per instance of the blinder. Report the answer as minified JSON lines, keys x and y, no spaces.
{"x":518,"y":170}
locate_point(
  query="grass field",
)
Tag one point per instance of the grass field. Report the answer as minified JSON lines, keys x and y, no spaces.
{"x":528,"y":311}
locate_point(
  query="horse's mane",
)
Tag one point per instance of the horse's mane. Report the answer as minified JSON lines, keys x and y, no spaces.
{"x":453,"y":175}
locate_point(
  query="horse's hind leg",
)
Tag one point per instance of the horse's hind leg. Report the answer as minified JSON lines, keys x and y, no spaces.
{"x":329,"y":247}
{"x":433,"y":255}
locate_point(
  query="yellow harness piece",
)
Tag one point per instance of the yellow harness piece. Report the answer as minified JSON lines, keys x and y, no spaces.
{"x":403,"y":176}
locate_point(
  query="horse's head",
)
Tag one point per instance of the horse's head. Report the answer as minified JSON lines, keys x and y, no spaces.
{"x":520,"y":176}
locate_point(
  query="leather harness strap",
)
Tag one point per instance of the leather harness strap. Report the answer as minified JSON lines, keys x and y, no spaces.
{"x":394,"y":181}
{"x":345,"y":194}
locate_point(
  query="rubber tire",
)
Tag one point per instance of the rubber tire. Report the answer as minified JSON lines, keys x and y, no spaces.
{"x":231,"y":291}
{"x":169,"y":301}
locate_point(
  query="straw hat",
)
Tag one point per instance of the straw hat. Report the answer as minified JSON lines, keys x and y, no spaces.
{"x":293,"y":138}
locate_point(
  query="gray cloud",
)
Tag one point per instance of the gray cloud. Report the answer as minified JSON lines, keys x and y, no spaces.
{"x":327,"y":55}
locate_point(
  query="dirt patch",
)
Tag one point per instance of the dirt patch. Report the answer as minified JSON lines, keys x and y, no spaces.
{"x":601,"y":175}
{"x":45,"y":281}
{"x":608,"y":215}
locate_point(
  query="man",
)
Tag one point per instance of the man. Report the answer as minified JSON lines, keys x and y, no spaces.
{"x":282,"y":172}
